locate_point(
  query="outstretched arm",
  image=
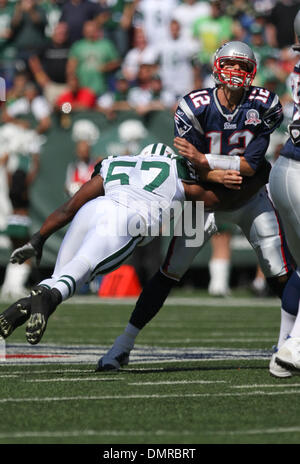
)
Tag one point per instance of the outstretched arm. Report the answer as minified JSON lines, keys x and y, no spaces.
{"x":58,"y":219}
{"x":204,"y":162}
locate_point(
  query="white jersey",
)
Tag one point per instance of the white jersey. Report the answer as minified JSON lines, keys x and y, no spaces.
{"x":155,"y":18}
{"x":147,"y":184}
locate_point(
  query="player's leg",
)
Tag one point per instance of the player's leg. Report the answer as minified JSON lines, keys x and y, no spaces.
{"x":19,"y":312}
{"x":177,"y":262}
{"x":284,"y":187}
{"x":103,"y":248}
{"x":260,"y":224}
{"x":219,"y":263}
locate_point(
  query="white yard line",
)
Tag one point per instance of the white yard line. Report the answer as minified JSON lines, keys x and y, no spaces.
{"x":267,"y":385}
{"x":80,"y":433}
{"x":78,"y":379}
{"x":178,"y":382}
{"x":154,"y":396}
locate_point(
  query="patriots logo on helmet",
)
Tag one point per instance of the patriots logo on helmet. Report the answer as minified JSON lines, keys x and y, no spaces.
{"x":182,"y":126}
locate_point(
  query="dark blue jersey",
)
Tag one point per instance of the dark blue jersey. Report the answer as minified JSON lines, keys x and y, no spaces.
{"x":290,"y":150}
{"x":212,"y":128}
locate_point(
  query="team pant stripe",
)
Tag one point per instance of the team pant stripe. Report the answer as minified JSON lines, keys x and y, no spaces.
{"x":67,"y":284}
{"x":72,"y":281}
{"x":116,"y":259}
{"x":46,"y":286}
{"x":285,"y":254}
{"x":169,"y":255}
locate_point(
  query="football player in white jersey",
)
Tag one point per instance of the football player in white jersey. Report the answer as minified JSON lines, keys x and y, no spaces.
{"x":224,"y":127}
{"x":284,"y":188}
{"x":112,"y":214}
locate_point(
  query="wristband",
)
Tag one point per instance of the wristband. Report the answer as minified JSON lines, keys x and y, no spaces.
{"x":223,"y":162}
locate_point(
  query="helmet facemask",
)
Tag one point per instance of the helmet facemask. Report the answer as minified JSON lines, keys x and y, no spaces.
{"x":234,"y":78}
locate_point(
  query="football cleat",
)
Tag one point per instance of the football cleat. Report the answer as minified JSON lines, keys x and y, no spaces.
{"x":118,"y":355}
{"x":288,"y":355}
{"x":14,"y":316}
{"x":43,"y":303}
{"x":276,"y":370}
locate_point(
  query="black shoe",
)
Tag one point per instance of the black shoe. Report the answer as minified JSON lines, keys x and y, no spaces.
{"x":43,"y":304}
{"x":14,"y":316}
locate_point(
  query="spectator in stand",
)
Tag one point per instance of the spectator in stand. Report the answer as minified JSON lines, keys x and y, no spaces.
{"x":92,"y":59}
{"x":281,"y":18}
{"x":77,"y":12}
{"x":30,"y":103}
{"x":76,"y":98}
{"x":7,"y":51}
{"x":28,"y":26}
{"x":154,"y":17}
{"x":111,"y":103}
{"x":211,"y":32}
{"x":136,"y":55}
{"x":81,"y":170}
{"x":17,"y":89}
{"x":118,"y":26}
{"x":19,"y":222}
{"x":147,"y":94}
{"x":187,"y":12}
{"x":49,"y":69}
{"x":175,"y":56}
{"x":52,"y":10}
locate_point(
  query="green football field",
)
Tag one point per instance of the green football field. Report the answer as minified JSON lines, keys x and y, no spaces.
{"x":198,"y":375}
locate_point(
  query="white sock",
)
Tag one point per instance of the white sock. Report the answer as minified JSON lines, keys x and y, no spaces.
{"x":295,"y":332}
{"x":72,"y":276}
{"x":219,"y":274}
{"x":286,"y":326}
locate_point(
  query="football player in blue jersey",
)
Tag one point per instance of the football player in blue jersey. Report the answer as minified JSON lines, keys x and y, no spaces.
{"x":284,"y":188}
{"x":225,"y":127}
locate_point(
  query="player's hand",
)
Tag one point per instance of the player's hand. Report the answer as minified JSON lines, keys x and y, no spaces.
{"x":188,"y":150}
{"x":294,"y":132}
{"x":32,"y":248}
{"x":232,"y":179}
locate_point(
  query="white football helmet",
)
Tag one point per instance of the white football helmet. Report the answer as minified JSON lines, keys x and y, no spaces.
{"x":157,"y":149}
{"x":234,"y":52}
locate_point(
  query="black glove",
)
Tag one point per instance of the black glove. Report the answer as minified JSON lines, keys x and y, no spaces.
{"x":32,"y":248}
{"x":294,"y":132}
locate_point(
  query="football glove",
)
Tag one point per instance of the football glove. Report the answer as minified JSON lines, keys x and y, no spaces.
{"x":32,"y":248}
{"x":294,"y":132}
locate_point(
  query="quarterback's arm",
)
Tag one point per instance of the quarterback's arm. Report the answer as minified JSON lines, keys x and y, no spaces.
{"x":229,"y":178}
{"x":218,"y":198}
{"x":204,"y":162}
{"x":58,"y":219}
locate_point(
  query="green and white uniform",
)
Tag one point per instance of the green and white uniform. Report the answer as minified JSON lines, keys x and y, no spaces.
{"x":99,"y":238}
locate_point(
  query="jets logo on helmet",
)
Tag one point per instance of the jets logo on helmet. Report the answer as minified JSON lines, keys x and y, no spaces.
{"x":157,"y":149}
{"x":224,"y":60}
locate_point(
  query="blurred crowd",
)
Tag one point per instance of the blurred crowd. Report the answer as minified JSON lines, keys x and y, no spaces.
{"x":114,"y":55}
{"x":109,"y":56}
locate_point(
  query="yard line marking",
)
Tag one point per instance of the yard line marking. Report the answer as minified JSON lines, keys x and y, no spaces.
{"x":213,"y":340}
{"x":154,"y":396}
{"x":78,"y":433}
{"x":177,"y":382}
{"x":267,"y":385}
{"x":8,"y":375}
{"x":45,"y":371}
{"x":79,"y":379}
{"x":256,"y":432}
